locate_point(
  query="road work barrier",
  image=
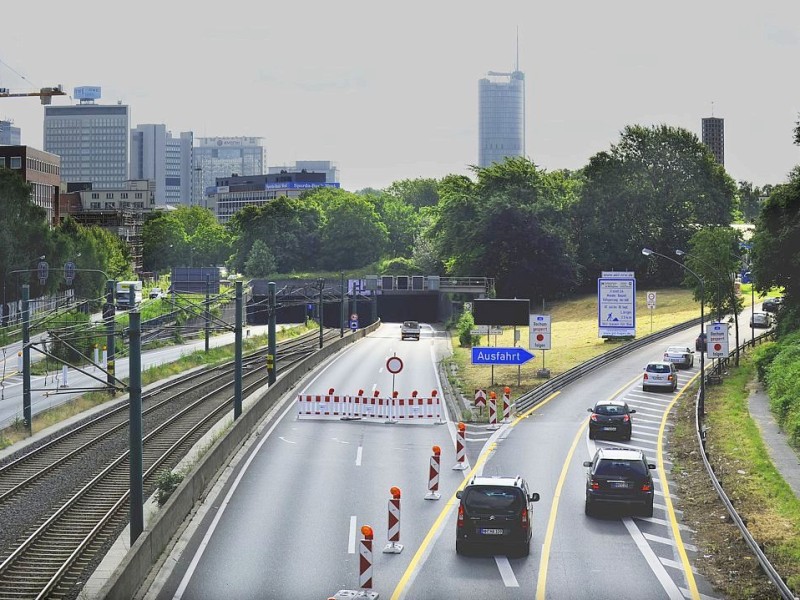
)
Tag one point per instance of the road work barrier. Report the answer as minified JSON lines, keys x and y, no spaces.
{"x":394,"y":546}
{"x":365,"y":562}
{"x":493,"y":411}
{"x":461,"y":448}
{"x":433,"y":475}
{"x":506,"y":405}
{"x":391,"y":409}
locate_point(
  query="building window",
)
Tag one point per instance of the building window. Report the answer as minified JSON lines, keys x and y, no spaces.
{"x":95,"y":205}
{"x":138,"y":195}
{"x":96,"y":196}
{"x":110,"y":205}
{"x":16,"y":162}
{"x":124,"y":195}
{"x":109,"y":195}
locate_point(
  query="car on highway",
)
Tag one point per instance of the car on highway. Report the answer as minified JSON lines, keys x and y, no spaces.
{"x":156,"y":293}
{"x":495,"y":512}
{"x":660,"y":374}
{"x":619,"y":477}
{"x":680,"y":356}
{"x":772,"y":305}
{"x":410,"y":330}
{"x":700,"y":343}
{"x":760,"y":320}
{"x":611,"y":418}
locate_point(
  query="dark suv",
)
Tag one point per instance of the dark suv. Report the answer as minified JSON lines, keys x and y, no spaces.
{"x":619,"y":476}
{"x":495,"y":511}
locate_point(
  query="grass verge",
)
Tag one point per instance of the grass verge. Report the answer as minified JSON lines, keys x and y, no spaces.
{"x":756,"y":489}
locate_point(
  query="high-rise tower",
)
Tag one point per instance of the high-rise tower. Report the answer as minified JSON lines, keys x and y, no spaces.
{"x":714,"y":137}
{"x":501,"y":116}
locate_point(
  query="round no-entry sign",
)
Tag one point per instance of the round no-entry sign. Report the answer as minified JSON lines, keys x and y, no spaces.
{"x":539,"y":337}
{"x":717,"y":347}
{"x":394,"y":365}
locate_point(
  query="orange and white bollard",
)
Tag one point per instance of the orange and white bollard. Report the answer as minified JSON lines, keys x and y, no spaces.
{"x":433,"y":475}
{"x":365,"y":562}
{"x":19,"y":361}
{"x":461,"y":449}
{"x":493,"y":411}
{"x":506,"y":404}
{"x":392,"y":408}
{"x":394,"y":547}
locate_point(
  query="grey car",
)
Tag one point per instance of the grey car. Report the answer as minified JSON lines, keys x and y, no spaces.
{"x":660,"y":375}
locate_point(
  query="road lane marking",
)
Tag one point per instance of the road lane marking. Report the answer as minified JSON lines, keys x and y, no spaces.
{"x":688,"y":571}
{"x":283,"y":439}
{"x":358,"y":455}
{"x":506,"y":572}
{"x":652,"y":560}
{"x":351,"y":540}
{"x":668,"y":541}
{"x":418,"y":559}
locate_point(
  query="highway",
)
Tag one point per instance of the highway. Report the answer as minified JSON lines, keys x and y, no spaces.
{"x":285,"y":521}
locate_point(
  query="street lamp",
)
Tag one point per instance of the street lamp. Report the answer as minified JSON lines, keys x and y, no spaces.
{"x":720,"y":279}
{"x":648,"y":252}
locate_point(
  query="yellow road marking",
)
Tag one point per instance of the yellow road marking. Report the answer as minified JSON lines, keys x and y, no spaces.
{"x":484,"y":456}
{"x":673,"y":521}
{"x":541,"y":581}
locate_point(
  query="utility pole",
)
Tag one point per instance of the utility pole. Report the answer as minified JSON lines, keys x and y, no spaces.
{"x":26,"y":359}
{"x":108,"y":315}
{"x":135,"y":428}
{"x":237,"y":342}
{"x":321,"y":287}
{"x":208,"y":311}
{"x":271,"y":337}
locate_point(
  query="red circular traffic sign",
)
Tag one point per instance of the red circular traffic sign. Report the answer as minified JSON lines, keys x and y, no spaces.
{"x":717,"y":347}
{"x":394,"y":365}
{"x":539,"y":337}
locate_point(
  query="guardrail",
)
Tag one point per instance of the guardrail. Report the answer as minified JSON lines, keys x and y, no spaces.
{"x":536,"y":395}
{"x":766,"y":566}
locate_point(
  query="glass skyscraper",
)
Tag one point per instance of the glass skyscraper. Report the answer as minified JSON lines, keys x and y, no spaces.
{"x":225,"y":157}
{"x":501,"y":117}
{"x":157,"y":156}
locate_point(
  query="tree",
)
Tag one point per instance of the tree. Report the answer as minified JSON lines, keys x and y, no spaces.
{"x":415,"y":192}
{"x":402,"y":224}
{"x":261,"y":263}
{"x":776,"y":246}
{"x":353,"y":235}
{"x":797,"y":133}
{"x":162,"y":236}
{"x":749,"y":201}
{"x":654,"y":188}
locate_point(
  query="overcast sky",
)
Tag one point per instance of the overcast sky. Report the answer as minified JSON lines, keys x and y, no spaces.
{"x":389,"y":91}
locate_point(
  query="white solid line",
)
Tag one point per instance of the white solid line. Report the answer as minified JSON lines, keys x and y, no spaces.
{"x":667,"y":541}
{"x":688,"y":594}
{"x":664,"y":523}
{"x":506,"y":572}
{"x":351,"y":540}
{"x":358,"y":456}
{"x":647,"y":552}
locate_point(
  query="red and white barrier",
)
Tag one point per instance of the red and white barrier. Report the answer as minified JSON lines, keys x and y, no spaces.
{"x":365,"y":562}
{"x":394,"y":547}
{"x":461,"y":449}
{"x":493,"y":411}
{"x":506,"y":404}
{"x":480,"y":398}
{"x":360,"y":406}
{"x":433,"y":475}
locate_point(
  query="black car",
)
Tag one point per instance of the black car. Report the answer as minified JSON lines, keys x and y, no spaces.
{"x":620,"y":477}
{"x":700,"y":343}
{"x":495,"y":512}
{"x":610,"y":417}
{"x":771,"y":305}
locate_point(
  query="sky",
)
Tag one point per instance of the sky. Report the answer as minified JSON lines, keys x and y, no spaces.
{"x":389,"y":91}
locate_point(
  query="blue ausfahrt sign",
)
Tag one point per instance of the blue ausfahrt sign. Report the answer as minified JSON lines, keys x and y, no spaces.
{"x":500,"y":356}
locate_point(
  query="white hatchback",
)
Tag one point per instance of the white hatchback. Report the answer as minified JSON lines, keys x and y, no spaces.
{"x":660,"y":374}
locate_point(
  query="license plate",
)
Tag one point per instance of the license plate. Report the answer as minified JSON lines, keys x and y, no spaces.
{"x":609,"y":428}
{"x":492,"y":531}
{"x":618,"y":484}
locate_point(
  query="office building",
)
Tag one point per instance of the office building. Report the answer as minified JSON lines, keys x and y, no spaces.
{"x":165,"y":160}
{"x":9,"y":135}
{"x":231,"y":194}
{"x":329,"y":169}
{"x":91,"y":139}
{"x":217,"y":157}
{"x":714,"y":137}
{"x":41,"y":170}
{"x":501,"y":117}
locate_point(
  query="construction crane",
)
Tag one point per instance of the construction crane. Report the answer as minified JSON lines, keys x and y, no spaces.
{"x":46,"y":93}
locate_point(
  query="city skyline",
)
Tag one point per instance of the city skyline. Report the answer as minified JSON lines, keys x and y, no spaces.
{"x":401,"y":102}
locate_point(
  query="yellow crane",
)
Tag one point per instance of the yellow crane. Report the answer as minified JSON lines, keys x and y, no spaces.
{"x":46,"y":93}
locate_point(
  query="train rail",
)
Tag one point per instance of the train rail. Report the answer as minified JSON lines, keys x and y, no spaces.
{"x":79,"y":482}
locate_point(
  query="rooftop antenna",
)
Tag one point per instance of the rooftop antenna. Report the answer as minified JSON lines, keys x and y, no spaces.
{"x":712,"y":108}
{"x":517,"y":68}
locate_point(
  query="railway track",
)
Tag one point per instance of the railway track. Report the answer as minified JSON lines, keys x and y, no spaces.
{"x":79,"y":481}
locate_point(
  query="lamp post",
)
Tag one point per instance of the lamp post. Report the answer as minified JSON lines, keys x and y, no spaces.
{"x":648,"y":252}
{"x":720,"y":279}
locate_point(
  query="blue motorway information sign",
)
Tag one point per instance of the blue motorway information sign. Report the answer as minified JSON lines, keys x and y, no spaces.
{"x":500,"y":356}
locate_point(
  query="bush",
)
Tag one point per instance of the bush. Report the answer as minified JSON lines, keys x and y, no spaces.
{"x":166,"y":484}
{"x":763,"y":357}
{"x":464,"y":327}
{"x":783,"y":385}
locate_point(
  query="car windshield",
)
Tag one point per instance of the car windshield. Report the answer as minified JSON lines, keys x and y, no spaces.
{"x":657,"y":368}
{"x":494,"y":499}
{"x":620,"y":468}
{"x":412,"y":324}
{"x":609,"y":409}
